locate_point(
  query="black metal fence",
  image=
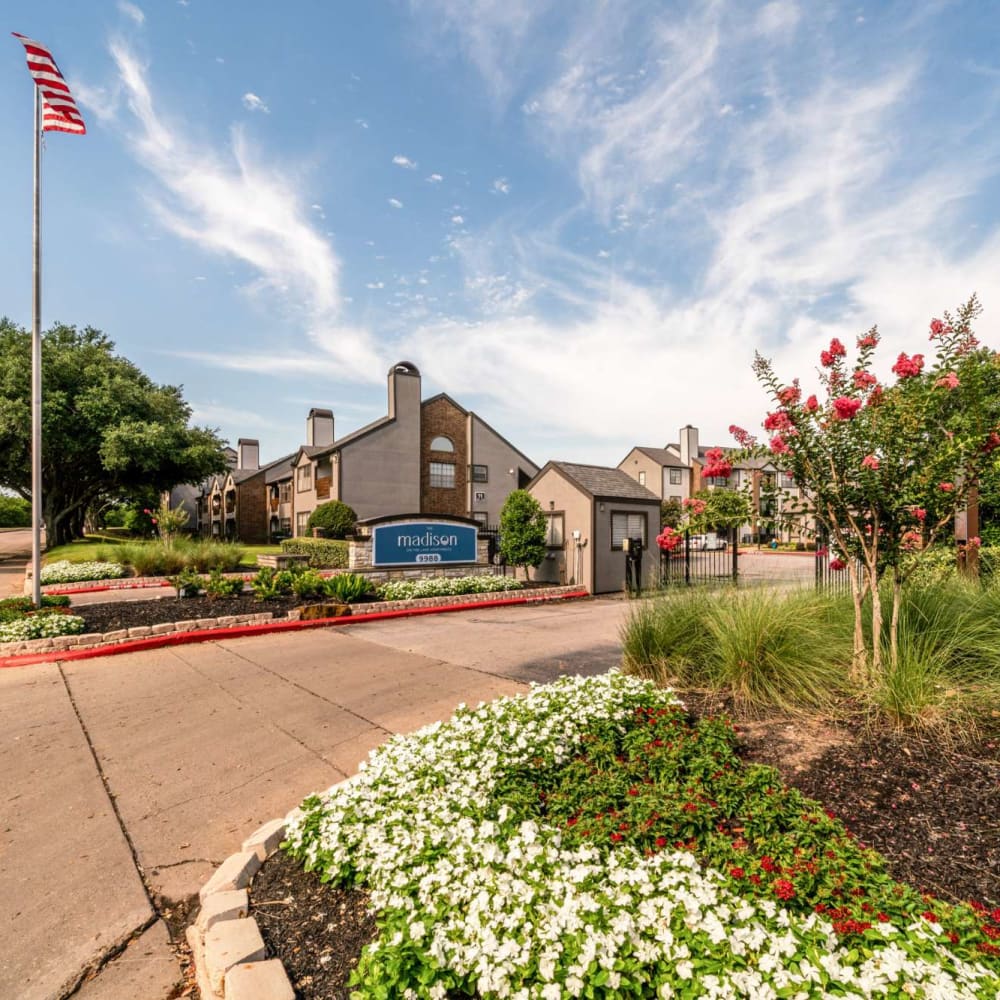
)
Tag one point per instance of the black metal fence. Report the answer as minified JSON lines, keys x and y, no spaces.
{"x":702,"y":559}
{"x":831,"y":577}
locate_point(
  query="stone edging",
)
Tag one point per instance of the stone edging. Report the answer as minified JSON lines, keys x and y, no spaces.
{"x":87,"y":640}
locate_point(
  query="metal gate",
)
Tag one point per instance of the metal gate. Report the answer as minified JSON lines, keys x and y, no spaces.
{"x":695,"y":562}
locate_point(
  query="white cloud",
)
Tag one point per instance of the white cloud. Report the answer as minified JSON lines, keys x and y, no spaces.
{"x":361,"y":123}
{"x":253,"y":103}
{"x":779,"y":18}
{"x":228,"y":202}
{"x":435,"y":179}
{"x":404,"y":161}
{"x":458,"y":220}
{"x":395,"y":203}
{"x":501,"y":186}
{"x":131,"y":11}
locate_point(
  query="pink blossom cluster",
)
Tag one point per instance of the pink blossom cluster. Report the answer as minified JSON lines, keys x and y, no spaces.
{"x":669,"y":539}
{"x":870,"y":462}
{"x":717,"y":465}
{"x":906,"y":367}
{"x":744,"y":438}
{"x":845,"y":408}
{"x":778,"y":421}
{"x":949,"y":381}
{"x":696,"y":505}
{"x":829,"y":356}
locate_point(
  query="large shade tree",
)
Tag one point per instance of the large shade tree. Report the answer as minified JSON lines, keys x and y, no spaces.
{"x":108,"y":430}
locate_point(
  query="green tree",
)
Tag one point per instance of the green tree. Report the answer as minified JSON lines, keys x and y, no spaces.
{"x":335,"y":518}
{"x":671,"y":513}
{"x":15,"y":512}
{"x":723,"y":509}
{"x":887,"y":466}
{"x":108,"y":430}
{"x":523,"y":530}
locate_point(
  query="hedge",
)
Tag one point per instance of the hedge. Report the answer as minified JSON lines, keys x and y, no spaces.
{"x":324,"y":553}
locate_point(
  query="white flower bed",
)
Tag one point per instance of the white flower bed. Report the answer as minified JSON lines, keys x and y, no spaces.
{"x":67,"y":572}
{"x":406,"y":590}
{"x":41,"y":626}
{"x":469,"y":896}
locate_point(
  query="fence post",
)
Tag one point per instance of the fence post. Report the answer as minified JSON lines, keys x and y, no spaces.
{"x":687,"y":560}
{"x":736,"y":553}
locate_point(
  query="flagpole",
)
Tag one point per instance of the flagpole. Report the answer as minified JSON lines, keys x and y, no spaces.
{"x":36,"y":369}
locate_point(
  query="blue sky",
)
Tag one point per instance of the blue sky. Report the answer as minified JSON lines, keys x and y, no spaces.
{"x":579,"y":219}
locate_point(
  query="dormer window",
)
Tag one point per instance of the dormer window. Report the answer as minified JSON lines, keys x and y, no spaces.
{"x":442,"y":443}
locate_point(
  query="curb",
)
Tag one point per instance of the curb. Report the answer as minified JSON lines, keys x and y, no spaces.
{"x":209,"y":633}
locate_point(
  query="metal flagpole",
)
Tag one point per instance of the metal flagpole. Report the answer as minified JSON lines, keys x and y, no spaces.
{"x":36,"y":370}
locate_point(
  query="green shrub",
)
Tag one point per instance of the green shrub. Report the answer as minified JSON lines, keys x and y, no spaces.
{"x":67,"y":572}
{"x":44,"y":625}
{"x":348,"y":587}
{"x":324,"y":553}
{"x":187,"y":583}
{"x":205,"y":555}
{"x":270,"y":583}
{"x":223,"y":586}
{"x":15,"y":512}
{"x":309,"y":585}
{"x":335,"y":519}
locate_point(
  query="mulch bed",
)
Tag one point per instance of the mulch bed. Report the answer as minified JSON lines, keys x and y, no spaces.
{"x":110,"y":616}
{"x":931,"y":810}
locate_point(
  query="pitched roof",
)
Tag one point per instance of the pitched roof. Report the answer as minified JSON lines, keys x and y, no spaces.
{"x":601,"y":481}
{"x":662,"y":456}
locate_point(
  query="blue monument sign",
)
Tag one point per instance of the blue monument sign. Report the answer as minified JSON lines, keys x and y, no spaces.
{"x":416,"y":543}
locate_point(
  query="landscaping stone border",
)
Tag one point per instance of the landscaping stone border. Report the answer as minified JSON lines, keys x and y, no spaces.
{"x":91,"y":640}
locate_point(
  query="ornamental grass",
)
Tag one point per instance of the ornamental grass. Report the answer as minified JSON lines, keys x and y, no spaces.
{"x":588,"y":839}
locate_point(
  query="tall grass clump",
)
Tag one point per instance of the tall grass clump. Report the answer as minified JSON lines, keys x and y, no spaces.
{"x":765,"y":648}
{"x":161,"y":559}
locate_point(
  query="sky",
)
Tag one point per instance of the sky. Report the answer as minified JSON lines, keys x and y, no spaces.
{"x":579,"y":219}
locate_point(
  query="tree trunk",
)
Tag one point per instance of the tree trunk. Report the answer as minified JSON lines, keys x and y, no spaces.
{"x":897,"y":599}
{"x":858,"y":674}
{"x":876,"y":622}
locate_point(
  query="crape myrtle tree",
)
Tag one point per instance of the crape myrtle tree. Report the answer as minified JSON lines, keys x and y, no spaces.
{"x":523,"y":530}
{"x":886,"y":466}
{"x":108,"y":430}
{"x":715,"y":509}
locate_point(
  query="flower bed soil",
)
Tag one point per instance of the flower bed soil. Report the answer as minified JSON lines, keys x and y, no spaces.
{"x":930,"y":810}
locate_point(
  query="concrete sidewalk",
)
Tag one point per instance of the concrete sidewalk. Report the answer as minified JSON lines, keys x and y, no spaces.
{"x":127,"y":779}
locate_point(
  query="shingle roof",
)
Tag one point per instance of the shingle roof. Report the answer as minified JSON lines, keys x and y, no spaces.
{"x":600,"y":481}
{"x":661,"y":456}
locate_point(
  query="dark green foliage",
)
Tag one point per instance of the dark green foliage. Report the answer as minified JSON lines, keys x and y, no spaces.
{"x":187,"y":583}
{"x":671,"y":513}
{"x":324,"y":553}
{"x":109,"y":430}
{"x":13,"y":608}
{"x":348,"y":587}
{"x":270,"y":583}
{"x":15,"y":512}
{"x":223,"y":586}
{"x":335,"y":518}
{"x":523,"y":530}
{"x":309,"y":585}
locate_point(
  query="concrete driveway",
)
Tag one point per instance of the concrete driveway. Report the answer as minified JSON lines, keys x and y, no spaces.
{"x":127,"y":779}
{"x":15,"y":551}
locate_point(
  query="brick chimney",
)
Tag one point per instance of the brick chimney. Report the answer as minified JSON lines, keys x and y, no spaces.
{"x":319,"y":427}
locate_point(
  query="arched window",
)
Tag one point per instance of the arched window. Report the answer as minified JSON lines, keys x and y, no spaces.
{"x":442,"y":444}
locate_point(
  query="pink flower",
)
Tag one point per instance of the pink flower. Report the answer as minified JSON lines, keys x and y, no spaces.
{"x":779,"y":421}
{"x":744,"y":438}
{"x":822,"y":552}
{"x":937,"y":328}
{"x":837,"y":564}
{"x":870,"y":462}
{"x":910,"y":541}
{"x":946,"y":487}
{"x":949,"y":381}
{"x":975,"y":541}
{"x":790,"y":395}
{"x":695,"y":505}
{"x":669,"y":539}
{"x":845,"y":408}
{"x":779,"y":446}
{"x":716,"y":465}
{"x":811,"y":404}
{"x":908,"y":367}
{"x":836,"y":350}
{"x":870,"y":339}
{"x":864,"y":379}
{"x":919,"y":513}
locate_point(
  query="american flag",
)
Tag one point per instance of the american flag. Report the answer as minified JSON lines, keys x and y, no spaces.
{"x":59,"y":110}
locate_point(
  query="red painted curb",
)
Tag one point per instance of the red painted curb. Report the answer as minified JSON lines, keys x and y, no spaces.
{"x":240,"y":631}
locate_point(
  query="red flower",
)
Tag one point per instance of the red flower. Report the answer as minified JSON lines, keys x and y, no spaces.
{"x":845,"y":408}
{"x":870,"y":339}
{"x":779,"y":446}
{"x":661,"y":841}
{"x":870,"y":462}
{"x":778,"y":421}
{"x":919,"y":513}
{"x":837,"y":564}
{"x":930,"y":915}
{"x":716,"y":465}
{"x":946,"y":487}
{"x":937,"y":328}
{"x":633,"y":791}
{"x":616,"y":837}
{"x":743,"y":438}
{"x":864,"y":379}
{"x":908,"y":367}
{"x":949,"y":381}
{"x":668,"y":539}
{"x":784,"y":889}
{"x":737,"y":872}
{"x":789,"y":395}
{"x":811,"y":404}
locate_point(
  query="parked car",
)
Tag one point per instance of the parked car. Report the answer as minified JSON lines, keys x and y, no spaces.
{"x":709,"y":542}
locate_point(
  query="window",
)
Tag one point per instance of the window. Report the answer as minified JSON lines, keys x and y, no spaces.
{"x":285,"y":524}
{"x":480,"y":473}
{"x":442,"y":444}
{"x":305,"y":477}
{"x":678,"y":499}
{"x":720,"y":481}
{"x":285,"y":491}
{"x":767,"y":480}
{"x":301,"y":520}
{"x":624,"y":525}
{"x":642,"y":478}
{"x":675,"y":477}
{"x":481,"y":516}
{"x":556,"y":532}
{"x":443,"y":475}
{"x":787,"y":481}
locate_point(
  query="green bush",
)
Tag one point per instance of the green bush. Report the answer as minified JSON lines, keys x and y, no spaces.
{"x":335,"y":519}
{"x":64,"y":571}
{"x":159,"y":559}
{"x":270,"y":583}
{"x":324,"y":553}
{"x":223,"y":586}
{"x":205,"y":556}
{"x":523,"y":530}
{"x":309,"y":586}
{"x":15,"y":512}
{"x":40,"y":626}
{"x":442,"y":586}
{"x":187,"y":583}
{"x":348,"y":587}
